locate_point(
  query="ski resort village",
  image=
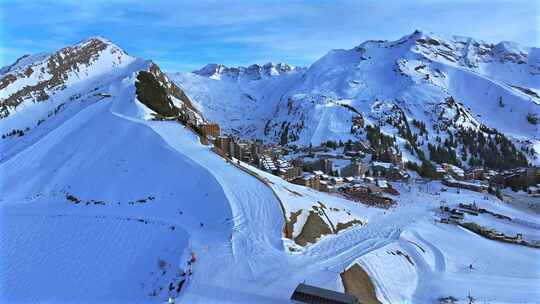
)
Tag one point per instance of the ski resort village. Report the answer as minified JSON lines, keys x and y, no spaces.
{"x":396,"y":171}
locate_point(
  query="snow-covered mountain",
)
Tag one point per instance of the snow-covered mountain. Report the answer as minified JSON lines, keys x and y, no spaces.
{"x":447,"y":83}
{"x":252,"y":72}
{"x":96,"y":61}
{"x":108,"y":196}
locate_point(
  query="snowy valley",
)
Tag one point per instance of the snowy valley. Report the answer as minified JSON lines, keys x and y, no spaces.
{"x":360,"y":174}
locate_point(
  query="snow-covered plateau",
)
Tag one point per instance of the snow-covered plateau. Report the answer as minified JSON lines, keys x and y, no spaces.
{"x":108,"y":195}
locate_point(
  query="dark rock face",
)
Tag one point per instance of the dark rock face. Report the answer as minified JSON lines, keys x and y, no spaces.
{"x":153,"y":95}
{"x":171,"y":88}
{"x":156,"y":91}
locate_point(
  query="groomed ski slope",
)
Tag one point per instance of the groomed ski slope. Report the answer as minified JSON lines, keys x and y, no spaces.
{"x":255,"y":267}
{"x":237,"y":271}
{"x":442,"y":254}
{"x":440,"y":266}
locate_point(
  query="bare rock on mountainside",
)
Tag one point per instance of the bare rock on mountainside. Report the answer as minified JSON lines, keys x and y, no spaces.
{"x":42,"y":77}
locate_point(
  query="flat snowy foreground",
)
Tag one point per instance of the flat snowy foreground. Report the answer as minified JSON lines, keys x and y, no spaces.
{"x":107,"y":206}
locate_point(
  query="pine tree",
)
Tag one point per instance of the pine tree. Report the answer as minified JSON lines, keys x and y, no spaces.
{"x":427,"y":169}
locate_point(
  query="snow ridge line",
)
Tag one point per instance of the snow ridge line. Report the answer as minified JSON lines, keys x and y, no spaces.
{"x":45,"y":135}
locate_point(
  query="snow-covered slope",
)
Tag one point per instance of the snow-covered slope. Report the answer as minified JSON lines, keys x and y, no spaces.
{"x":241,"y":107}
{"x":497,"y":86}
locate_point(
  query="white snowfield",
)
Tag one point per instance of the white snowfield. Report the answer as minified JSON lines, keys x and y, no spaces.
{"x":99,"y":204}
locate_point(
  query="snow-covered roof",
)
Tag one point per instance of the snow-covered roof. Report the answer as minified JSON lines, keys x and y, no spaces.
{"x":382,"y":183}
{"x":307,"y":176}
{"x":382,"y":164}
{"x":457,"y":170}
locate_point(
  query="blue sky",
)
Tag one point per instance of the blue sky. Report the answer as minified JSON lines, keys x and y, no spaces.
{"x":185,"y":35}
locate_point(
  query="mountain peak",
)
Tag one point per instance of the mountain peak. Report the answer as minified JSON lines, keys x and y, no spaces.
{"x":36,"y":77}
{"x":419,"y":36}
{"x":251,"y":72}
{"x":98,"y":38}
{"x":97,"y":43}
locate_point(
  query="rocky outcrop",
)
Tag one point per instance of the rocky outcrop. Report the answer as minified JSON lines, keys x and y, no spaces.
{"x":157,"y":92}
